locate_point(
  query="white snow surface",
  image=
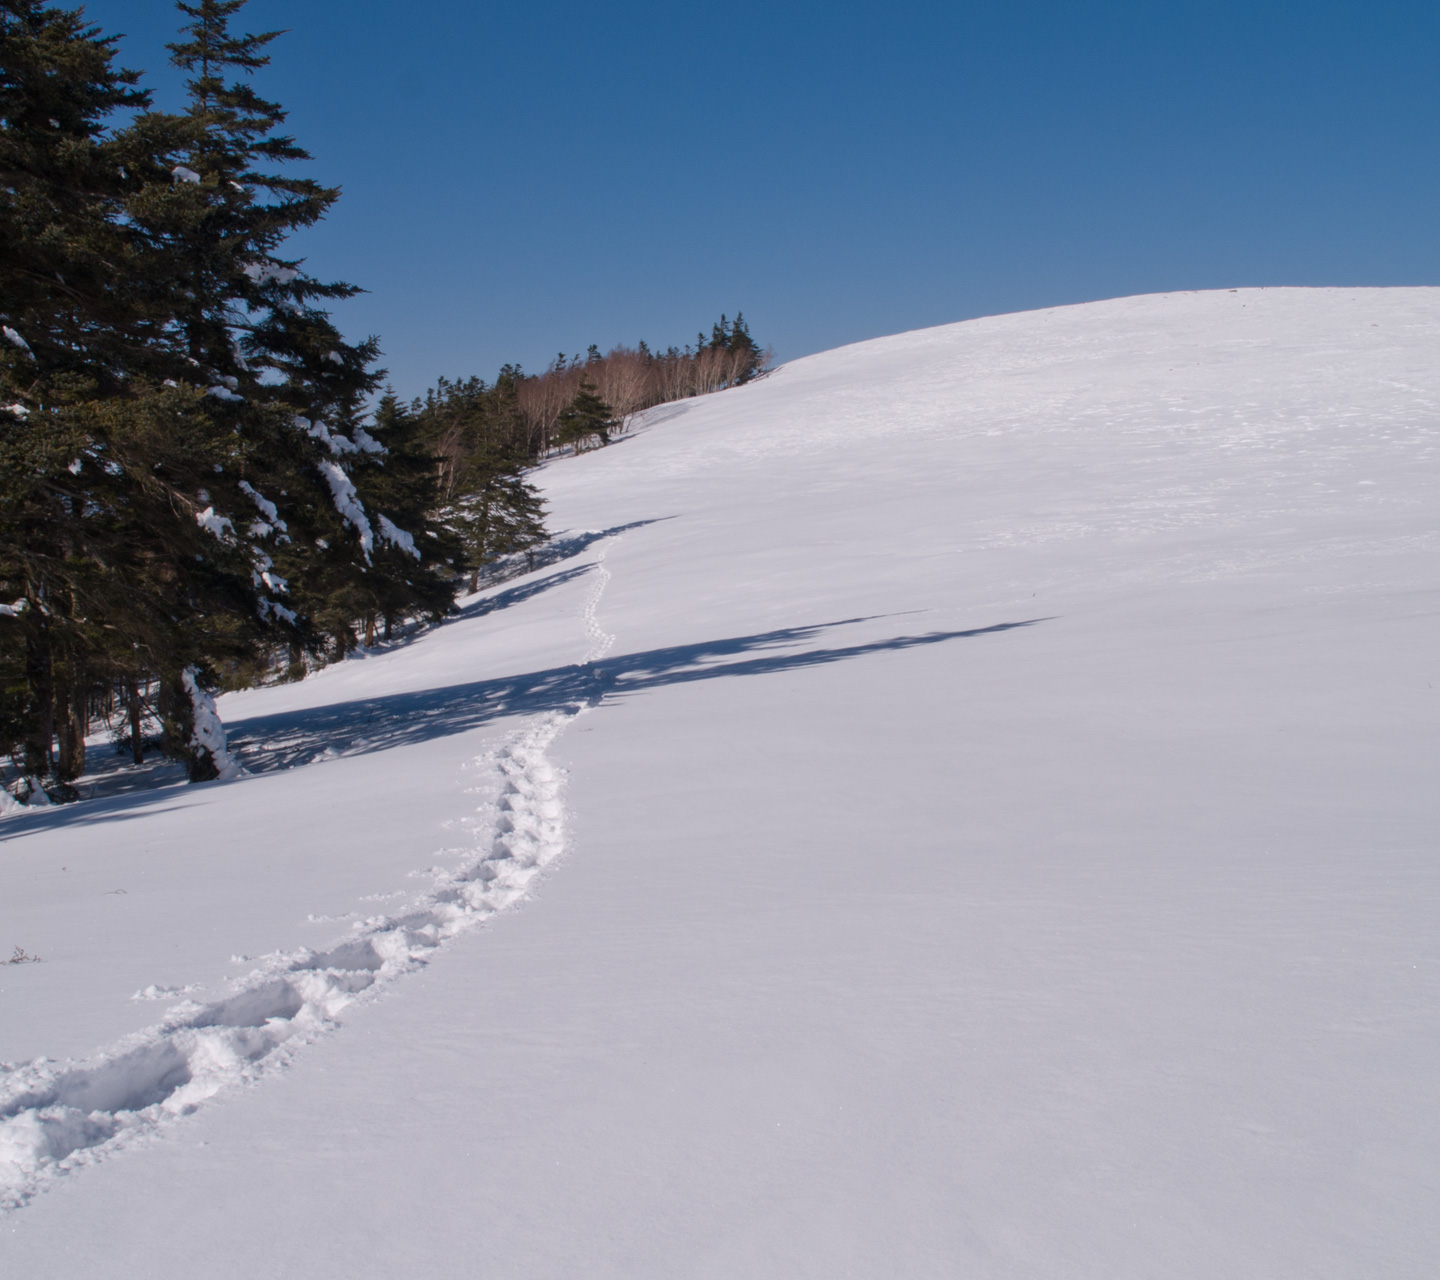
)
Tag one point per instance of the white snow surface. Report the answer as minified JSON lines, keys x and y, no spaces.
{"x":339,"y":445}
{"x":272,"y":522}
{"x":397,"y":536}
{"x":348,"y":504}
{"x":220,"y":527}
{"x":994,"y":767}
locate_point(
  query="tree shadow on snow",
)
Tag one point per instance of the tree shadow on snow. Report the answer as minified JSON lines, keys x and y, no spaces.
{"x":119,"y":808}
{"x":288,"y":739}
{"x":512,"y":596}
{"x":562,"y":547}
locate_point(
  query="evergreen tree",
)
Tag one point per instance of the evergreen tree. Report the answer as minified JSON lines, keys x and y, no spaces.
{"x":481,"y":445}
{"x":749,"y":359}
{"x":183,"y":461}
{"x":412,"y":574}
{"x":190,"y":478}
{"x":75,"y":330}
{"x":285,"y":391}
{"x":587,"y":418}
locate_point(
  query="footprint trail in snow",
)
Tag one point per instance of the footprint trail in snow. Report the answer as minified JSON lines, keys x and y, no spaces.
{"x":58,"y":1117}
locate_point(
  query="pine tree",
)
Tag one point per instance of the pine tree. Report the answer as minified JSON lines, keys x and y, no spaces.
{"x":284,"y":390}
{"x":481,"y":444}
{"x":75,"y":330}
{"x":182,"y":434}
{"x":587,"y":418}
{"x":748,"y":358}
{"x":413,"y":573}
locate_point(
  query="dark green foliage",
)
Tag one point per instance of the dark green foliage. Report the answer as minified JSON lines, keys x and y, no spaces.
{"x":76,"y":330}
{"x":587,"y":418}
{"x":185,"y":478}
{"x":63,"y":256}
{"x":478,"y":438}
{"x":748,"y":360}
{"x":193,"y":485}
{"x":412,"y":568}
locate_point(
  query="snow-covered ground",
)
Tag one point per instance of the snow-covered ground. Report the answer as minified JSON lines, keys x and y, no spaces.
{"x":995,"y":773}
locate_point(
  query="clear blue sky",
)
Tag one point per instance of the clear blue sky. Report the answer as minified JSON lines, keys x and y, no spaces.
{"x":526,"y":177}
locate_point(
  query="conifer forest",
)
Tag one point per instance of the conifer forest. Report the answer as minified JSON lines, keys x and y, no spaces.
{"x":204,"y":484}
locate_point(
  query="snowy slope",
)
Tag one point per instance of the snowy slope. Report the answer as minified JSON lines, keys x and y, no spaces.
{"x":994,"y":769}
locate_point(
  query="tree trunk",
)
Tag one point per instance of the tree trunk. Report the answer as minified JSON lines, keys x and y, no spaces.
{"x":79,"y":726}
{"x":40,"y":677}
{"x":137,"y":741}
{"x":177,"y":721}
{"x":63,"y":742}
{"x":72,"y":706}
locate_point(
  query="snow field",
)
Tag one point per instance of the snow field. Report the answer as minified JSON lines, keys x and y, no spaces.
{"x":58,"y":1117}
{"x":1002,"y":845}
{"x":55,"y":1118}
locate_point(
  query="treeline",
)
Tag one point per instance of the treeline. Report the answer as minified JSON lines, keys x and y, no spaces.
{"x":628,"y":380}
{"x":485,"y":436}
{"x":194,"y":490}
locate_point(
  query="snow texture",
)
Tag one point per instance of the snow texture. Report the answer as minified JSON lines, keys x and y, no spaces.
{"x":340,"y":445}
{"x":347,"y":503}
{"x":269,"y":608}
{"x":208,"y":733}
{"x":34,"y":792}
{"x":270,"y":272}
{"x":153,"y":992}
{"x":57,"y":1118}
{"x":181,"y":174}
{"x":397,"y":536}
{"x":267,"y":508}
{"x":261,"y":573}
{"x":998,"y":795}
{"x":219,"y":526}
{"x":366,"y":443}
{"x":12,"y":337}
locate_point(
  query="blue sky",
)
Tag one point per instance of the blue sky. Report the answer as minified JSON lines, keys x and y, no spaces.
{"x":523,"y":178}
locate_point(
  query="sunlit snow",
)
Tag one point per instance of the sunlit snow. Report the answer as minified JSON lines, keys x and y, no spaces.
{"x":962,"y":805}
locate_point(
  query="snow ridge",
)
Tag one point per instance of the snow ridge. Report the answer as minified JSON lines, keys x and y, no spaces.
{"x":56,"y":1118}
